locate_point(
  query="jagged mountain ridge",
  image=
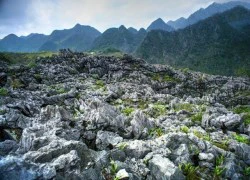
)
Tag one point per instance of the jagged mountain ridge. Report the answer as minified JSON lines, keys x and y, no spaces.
{"x":159,"y":24}
{"x":218,"y":43}
{"x":79,"y":38}
{"x":74,"y":116}
{"x":202,"y":13}
{"x":123,"y":39}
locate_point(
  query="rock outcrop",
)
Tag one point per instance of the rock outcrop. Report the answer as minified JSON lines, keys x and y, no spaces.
{"x":74,"y":116}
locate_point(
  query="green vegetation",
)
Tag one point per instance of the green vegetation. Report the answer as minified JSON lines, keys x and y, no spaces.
{"x":113,"y":167}
{"x":158,"y":110}
{"x":205,"y":137}
{"x":190,"y":171}
{"x":3,"y":92}
{"x":241,"y":109}
{"x":246,"y":111}
{"x":128,"y":110}
{"x":122,"y":145}
{"x":185,"y":106}
{"x":61,"y":91}
{"x":99,"y":84}
{"x":23,"y":58}
{"x":184,"y":129}
{"x":32,"y":64}
{"x":241,"y":139}
{"x":227,"y":55}
{"x":219,"y":169}
{"x":197,"y":117}
{"x":156,"y":132}
{"x":16,"y":83}
{"x":223,"y":145}
{"x":247,"y":171}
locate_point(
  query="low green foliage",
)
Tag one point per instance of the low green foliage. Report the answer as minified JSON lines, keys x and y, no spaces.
{"x":184,"y":129}
{"x":32,"y":64}
{"x":197,"y":117}
{"x":219,"y":169}
{"x":99,"y":84}
{"x":241,"y":109}
{"x":16,"y":83}
{"x":205,"y":137}
{"x":128,"y":110}
{"x":241,"y":139}
{"x":247,"y":171}
{"x":122,"y":146}
{"x":223,"y":145}
{"x":158,"y":109}
{"x":190,"y":171}
{"x":3,"y":92}
{"x":246,"y":111}
{"x":156,"y":132}
{"x":61,"y":90}
{"x":24,"y":58}
{"x":185,"y":106}
{"x":113,"y":167}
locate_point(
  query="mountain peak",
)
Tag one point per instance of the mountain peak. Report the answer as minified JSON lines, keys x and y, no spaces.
{"x":122,"y":27}
{"x":159,"y":24}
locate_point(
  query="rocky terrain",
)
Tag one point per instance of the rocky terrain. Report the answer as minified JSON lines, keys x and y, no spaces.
{"x":75,"y":116}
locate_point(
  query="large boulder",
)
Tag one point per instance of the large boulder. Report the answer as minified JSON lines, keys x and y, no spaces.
{"x":162,"y":168}
{"x":107,"y":140}
{"x":139,"y":123}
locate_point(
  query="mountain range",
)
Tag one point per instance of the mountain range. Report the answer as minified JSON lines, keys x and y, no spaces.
{"x":207,"y":40}
{"x":221,"y":42}
{"x":202,"y":13}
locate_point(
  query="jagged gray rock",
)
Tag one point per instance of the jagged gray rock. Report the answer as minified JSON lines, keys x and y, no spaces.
{"x":75,"y":116}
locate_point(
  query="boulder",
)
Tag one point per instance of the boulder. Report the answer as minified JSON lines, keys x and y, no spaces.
{"x":162,"y":168}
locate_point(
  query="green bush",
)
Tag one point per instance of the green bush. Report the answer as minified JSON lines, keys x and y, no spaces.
{"x":156,"y":132}
{"x":16,"y":83}
{"x":184,"y":129}
{"x":185,"y":106}
{"x":197,"y":117}
{"x":99,"y":84}
{"x":127,"y":111}
{"x":3,"y":92}
{"x":241,"y":139}
{"x":190,"y":171}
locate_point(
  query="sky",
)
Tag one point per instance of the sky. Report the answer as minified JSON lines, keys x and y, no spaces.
{"x":23,"y":17}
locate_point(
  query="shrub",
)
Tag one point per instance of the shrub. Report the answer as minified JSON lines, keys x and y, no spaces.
{"x":99,"y":84}
{"x":16,"y":83}
{"x":184,"y":106}
{"x":156,"y":132}
{"x":241,"y":139}
{"x":197,"y":117}
{"x":184,"y":129}
{"x":113,"y":168}
{"x":158,"y":110}
{"x":127,"y":111}
{"x":3,"y":92}
{"x":247,"y":171}
{"x":190,"y":171}
{"x":219,"y":169}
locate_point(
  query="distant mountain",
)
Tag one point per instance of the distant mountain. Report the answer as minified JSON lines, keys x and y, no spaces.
{"x":202,"y":13}
{"x":123,"y":39}
{"x":218,"y":45}
{"x":159,"y":24}
{"x":78,"y":38}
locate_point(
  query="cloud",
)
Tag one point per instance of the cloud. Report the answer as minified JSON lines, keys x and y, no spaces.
{"x":43,"y":16}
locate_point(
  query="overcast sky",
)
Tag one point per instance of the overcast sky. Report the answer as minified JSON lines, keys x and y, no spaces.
{"x":23,"y":17}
